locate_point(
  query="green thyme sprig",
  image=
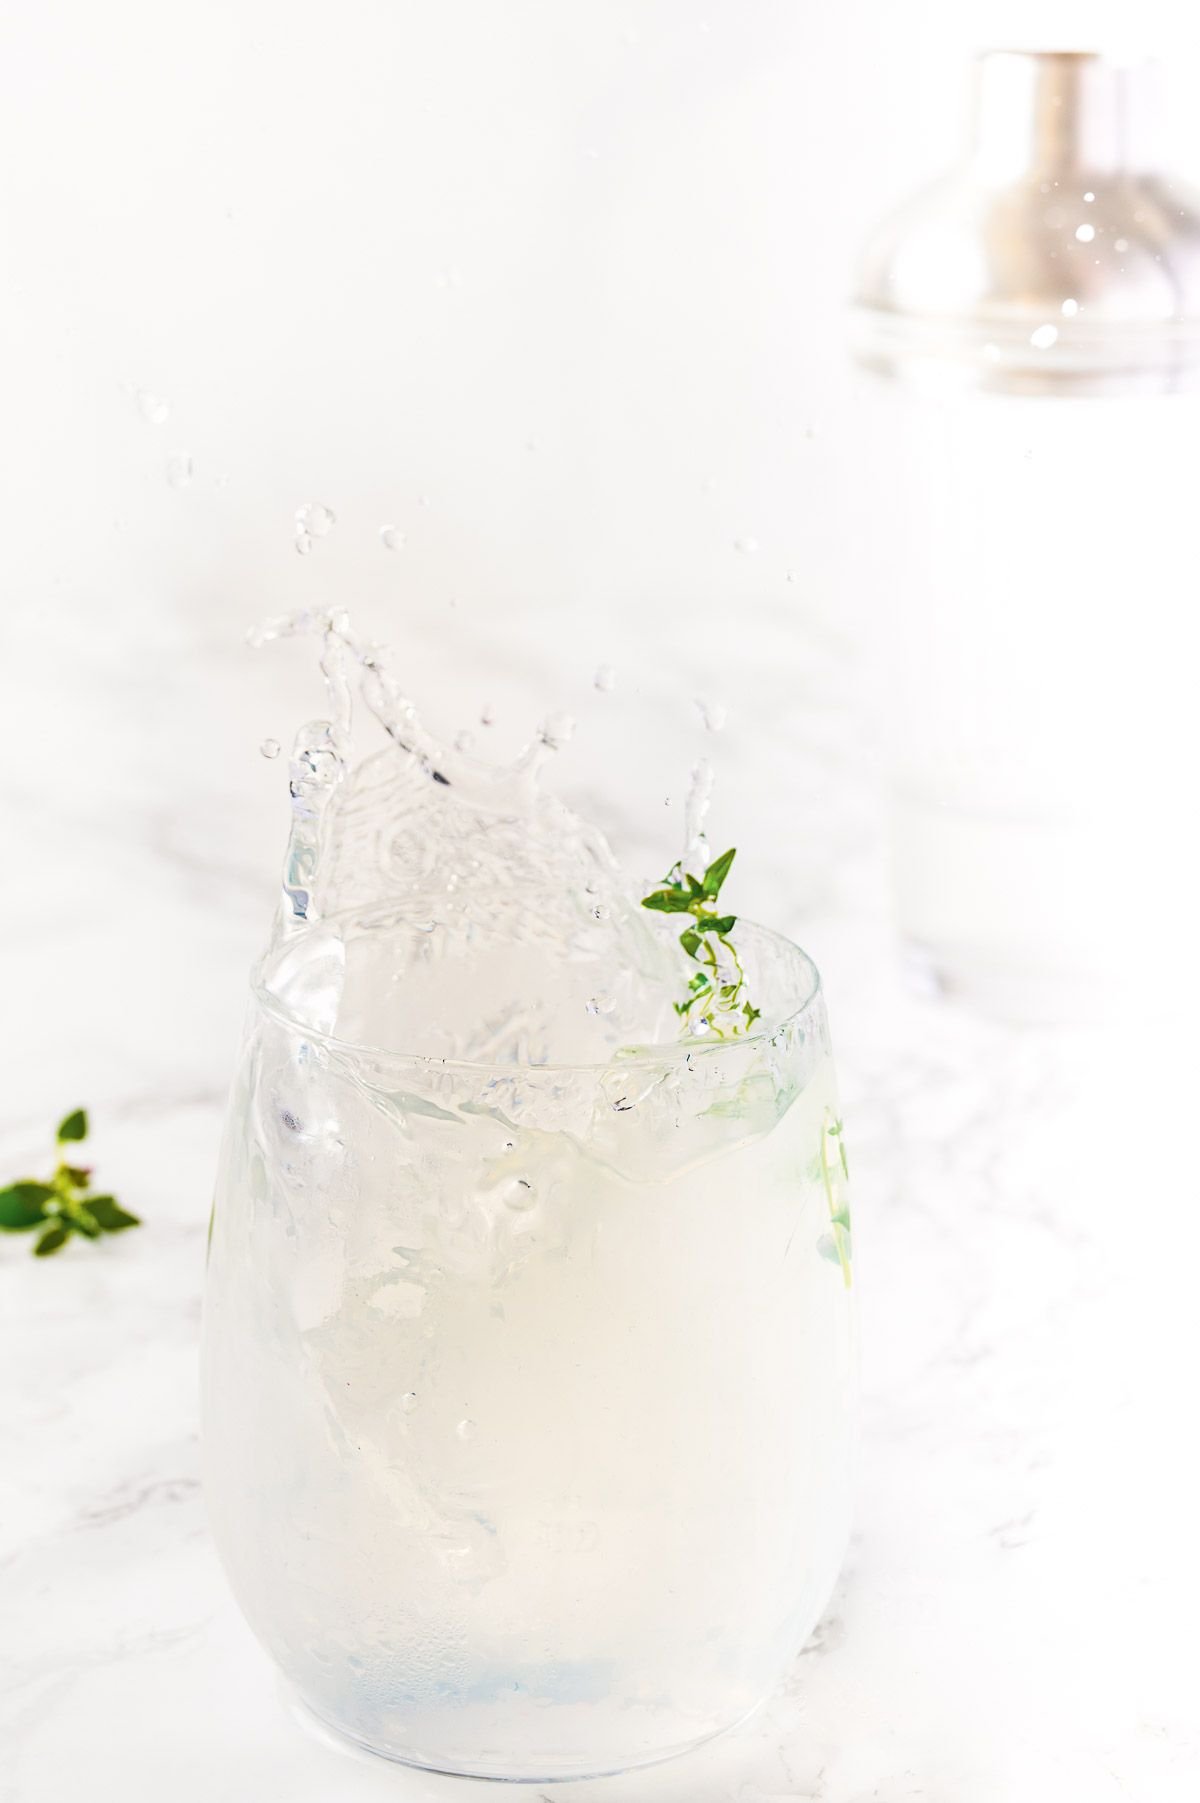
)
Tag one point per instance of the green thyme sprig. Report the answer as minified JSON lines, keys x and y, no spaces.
{"x":835,"y":1174}
{"x":65,"y":1205}
{"x":714,"y":995}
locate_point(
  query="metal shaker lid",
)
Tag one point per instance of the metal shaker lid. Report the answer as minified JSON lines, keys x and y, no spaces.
{"x":1056,"y":259}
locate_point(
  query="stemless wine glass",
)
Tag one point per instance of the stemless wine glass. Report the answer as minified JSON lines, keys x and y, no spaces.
{"x":528,"y":1388}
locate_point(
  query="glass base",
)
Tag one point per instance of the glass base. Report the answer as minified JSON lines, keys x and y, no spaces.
{"x":330,"y":1735}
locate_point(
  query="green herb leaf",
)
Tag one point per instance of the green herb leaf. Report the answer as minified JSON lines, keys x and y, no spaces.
{"x":62,"y":1206}
{"x":81,"y":1219}
{"x":716,"y":923}
{"x":107,"y":1212}
{"x":22,"y":1205}
{"x":667,"y":901}
{"x":682,"y":893}
{"x":716,"y":873}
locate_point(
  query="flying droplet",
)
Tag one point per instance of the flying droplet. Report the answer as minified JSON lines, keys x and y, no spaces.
{"x":1070,"y":308}
{"x":1089,"y":195}
{"x":486,"y":714}
{"x":270,"y":748}
{"x":153,"y":409}
{"x":408,"y":1402}
{"x":465,"y":1430}
{"x":1044,"y":337}
{"x":303,"y":543}
{"x":179,"y":471}
{"x":392,"y":538}
{"x":601,"y":1004}
{"x":713,"y":714}
{"x":556,"y":730}
{"x":315,"y":519}
{"x":604,"y":679}
{"x":519,"y":1195}
{"x":1085,"y":233}
{"x":747,"y":546}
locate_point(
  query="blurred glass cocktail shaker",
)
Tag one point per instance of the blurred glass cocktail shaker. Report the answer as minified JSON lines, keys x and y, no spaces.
{"x":1032,"y":323}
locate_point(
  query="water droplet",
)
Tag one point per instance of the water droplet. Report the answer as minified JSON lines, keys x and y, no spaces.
{"x":303,"y":543}
{"x":486,"y":714}
{"x":179,"y":470}
{"x":464,"y":741}
{"x":1085,"y":233}
{"x":747,"y":546}
{"x":408,"y":1402}
{"x":1089,"y":195}
{"x":152,"y":407}
{"x":604,"y":679}
{"x":1070,"y":308}
{"x":1044,"y":337}
{"x":600,"y":912}
{"x":556,"y":730}
{"x":601,"y":1004}
{"x":465,"y":1430}
{"x":519,"y":1195}
{"x":713,"y":714}
{"x":1121,"y":245}
{"x":392,"y":537}
{"x":270,"y":748}
{"x":315,"y":519}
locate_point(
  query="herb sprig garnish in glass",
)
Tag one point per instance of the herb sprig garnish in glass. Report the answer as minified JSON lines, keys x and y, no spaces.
{"x":528,"y":1375}
{"x":716,"y":997}
{"x":65,"y":1204}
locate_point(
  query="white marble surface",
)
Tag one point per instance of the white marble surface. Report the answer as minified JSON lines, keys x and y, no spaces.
{"x":1016,"y":1618}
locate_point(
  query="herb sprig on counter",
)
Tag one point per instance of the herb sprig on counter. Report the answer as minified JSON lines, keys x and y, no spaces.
{"x":716,"y":997}
{"x":64,"y":1205}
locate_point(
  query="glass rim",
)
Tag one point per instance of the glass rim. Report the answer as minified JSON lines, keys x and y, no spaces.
{"x":656,"y":1053}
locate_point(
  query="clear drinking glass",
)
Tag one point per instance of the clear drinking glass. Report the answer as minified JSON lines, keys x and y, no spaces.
{"x":528,"y":1388}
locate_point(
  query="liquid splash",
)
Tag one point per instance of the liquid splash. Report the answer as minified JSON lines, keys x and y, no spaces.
{"x":504,"y":915}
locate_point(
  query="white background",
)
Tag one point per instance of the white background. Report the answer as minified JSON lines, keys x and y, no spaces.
{"x":557,"y":290}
